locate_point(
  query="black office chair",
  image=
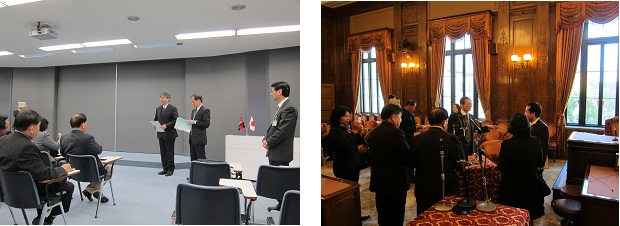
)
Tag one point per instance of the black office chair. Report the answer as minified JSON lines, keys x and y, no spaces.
{"x":89,"y":172}
{"x":207,"y":205}
{"x":47,"y":159}
{"x":290,"y":208}
{"x":273,"y":181}
{"x":20,"y":191}
{"x":208,"y":173}
{"x":1,"y":201}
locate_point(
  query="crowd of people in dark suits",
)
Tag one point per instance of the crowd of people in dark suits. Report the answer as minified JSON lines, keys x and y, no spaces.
{"x":396,"y":152}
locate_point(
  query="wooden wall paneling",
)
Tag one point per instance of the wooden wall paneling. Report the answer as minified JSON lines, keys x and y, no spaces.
{"x":542,"y":57}
{"x":398,"y":78}
{"x":523,"y":36}
{"x":494,"y":69}
{"x":521,"y":4}
{"x":343,"y":66}
{"x":327,"y":101}
{"x":504,"y":72}
{"x":422,"y":45}
{"x":550,"y":113}
{"x":327,"y":44}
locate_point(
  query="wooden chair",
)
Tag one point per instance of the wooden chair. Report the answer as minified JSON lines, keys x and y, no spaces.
{"x":492,"y":135}
{"x":372,"y":117}
{"x":502,"y":126}
{"x":418,"y":120}
{"x":611,"y":126}
{"x":370,"y":125}
{"x":355,"y":117}
{"x":492,"y":148}
{"x":552,"y":140}
{"x":426,"y":121}
{"x":364,"y":117}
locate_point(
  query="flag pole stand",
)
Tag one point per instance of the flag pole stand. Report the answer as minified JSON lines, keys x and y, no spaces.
{"x":246,"y":131}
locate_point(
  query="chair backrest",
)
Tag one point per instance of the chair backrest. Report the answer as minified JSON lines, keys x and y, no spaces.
{"x":552,"y":131}
{"x":418,"y":120}
{"x":19,"y":190}
{"x":370,"y":124}
{"x":502,"y":126}
{"x":492,"y":148}
{"x":197,"y":204}
{"x":208,"y":173}
{"x":372,"y":117}
{"x":364,"y":117}
{"x":493,"y":135}
{"x":47,"y":158}
{"x":273,"y":181}
{"x":611,"y":126}
{"x":426,"y":122}
{"x":290,"y":208}
{"x":88,"y":166}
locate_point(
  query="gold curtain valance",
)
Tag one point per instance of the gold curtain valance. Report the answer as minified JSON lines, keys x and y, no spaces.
{"x":478,"y":26}
{"x":380,"y":39}
{"x":572,"y":14}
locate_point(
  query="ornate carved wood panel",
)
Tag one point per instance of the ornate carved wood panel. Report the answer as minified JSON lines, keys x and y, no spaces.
{"x":523,"y":30}
{"x":503,"y":59}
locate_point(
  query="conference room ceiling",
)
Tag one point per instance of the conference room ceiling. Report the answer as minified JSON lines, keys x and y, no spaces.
{"x":160,"y":20}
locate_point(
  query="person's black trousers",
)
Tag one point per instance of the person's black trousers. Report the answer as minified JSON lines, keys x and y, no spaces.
{"x":197,"y":152}
{"x":350,"y":175}
{"x":166,"y":150}
{"x":66,"y":197}
{"x":391,"y":208}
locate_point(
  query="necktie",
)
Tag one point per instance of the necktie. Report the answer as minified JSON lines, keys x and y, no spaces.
{"x":162,"y":110}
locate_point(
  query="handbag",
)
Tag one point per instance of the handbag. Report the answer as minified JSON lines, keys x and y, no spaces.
{"x":543,"y":188}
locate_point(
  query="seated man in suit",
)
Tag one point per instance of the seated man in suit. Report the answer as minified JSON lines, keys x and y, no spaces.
{"x":18,"y":153}
{"x":78,"y":142}
{"x":427,"y":160}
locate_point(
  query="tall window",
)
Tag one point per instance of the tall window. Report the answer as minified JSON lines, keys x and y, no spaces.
{"x":370,"y":99}
{"x":594,"y":96}
{"x":458,"y":76}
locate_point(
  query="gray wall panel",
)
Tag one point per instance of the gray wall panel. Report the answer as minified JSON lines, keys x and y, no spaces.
{"x":37,"y":87}
{"x":221,"y":81}
{"x":89,"y":89}
{"x":139,"y":86}
{"x":6,"y":105}
{"x":284,"y":66}
{"x":257,"y":105}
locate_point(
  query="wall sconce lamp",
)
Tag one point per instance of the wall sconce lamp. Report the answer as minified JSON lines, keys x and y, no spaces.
{"x":515,"y":58}
{"x":408,"y":67}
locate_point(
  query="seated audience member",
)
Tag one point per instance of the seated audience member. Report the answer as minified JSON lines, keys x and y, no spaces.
{"x":343,"y":142}
{"x":18,"y":153}
{"x":78,"y":142}
{"x":4,"y":125}
{"x":389,"y":167}
{"x":519,"y":159}
{"x":45,"y":142}
{"x":427,"y":160}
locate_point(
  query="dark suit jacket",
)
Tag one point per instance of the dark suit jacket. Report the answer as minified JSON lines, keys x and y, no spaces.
{"x":427,"y":161}
{"x":18,"y":153}
{"x":81,"y":143}
{"x":198,"y":135}
{"x":344,"y":146}
{"x":390,"y":159}
{"x":280,"y":137}
{"x":169,"y":118}
{"x":541,"y":131}
{"x":408,"y":125}
{"x":457,"y":121}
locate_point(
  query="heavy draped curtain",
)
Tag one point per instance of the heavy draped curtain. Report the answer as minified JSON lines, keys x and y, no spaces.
{"x":569,"y":24}
{"x":479,"y":28}
{"x":382,"y":41}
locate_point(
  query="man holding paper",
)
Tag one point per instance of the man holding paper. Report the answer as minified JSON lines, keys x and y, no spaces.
{"x":200,"y":121}
{"x":166,"y":115}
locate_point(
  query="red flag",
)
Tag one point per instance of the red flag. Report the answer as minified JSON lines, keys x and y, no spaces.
{"x":241,"y":124}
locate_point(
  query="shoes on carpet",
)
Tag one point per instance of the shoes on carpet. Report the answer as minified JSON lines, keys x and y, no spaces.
{"x":162,"y":172}
{"x":88,"y":195}
{"x":365,"y":217}
{"x":277,"y":208}
{"x":47,"y":221}
{"x":103,"y":198}
{"x":169,"y":173}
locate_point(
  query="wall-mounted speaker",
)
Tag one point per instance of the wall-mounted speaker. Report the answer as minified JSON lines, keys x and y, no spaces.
{"x":391,"y":56}
{"x":492,"y":48}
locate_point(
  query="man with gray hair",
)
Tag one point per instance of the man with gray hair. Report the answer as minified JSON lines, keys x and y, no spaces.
{"x":166,"y":115}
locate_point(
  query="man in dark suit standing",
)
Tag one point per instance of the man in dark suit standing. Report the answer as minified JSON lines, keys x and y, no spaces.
{"x":463,"y":125}
{"x":78,"y":142}
{"x":409,"y":126}
{"x":200,"y":121}
{"x":389,"y":167}
{"x":166,"y":115}
{"x":539,"y":128}
{"x":281,"y":133}
{"x":18,"y":153}
{"x":427,"y":160}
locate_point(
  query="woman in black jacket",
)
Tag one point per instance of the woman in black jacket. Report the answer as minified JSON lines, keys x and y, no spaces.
{"x":519,"y":159}
{"x":344,"y":145}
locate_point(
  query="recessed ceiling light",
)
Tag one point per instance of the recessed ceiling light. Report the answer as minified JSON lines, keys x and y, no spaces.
{"x":107,"y":43}
{"x":133,"y":18}
{"x":62,"y":47}
{"x":238,"y":7}
{"x":266,"y":30}
{"x":209,"y":34}
{"x":37,"y":55}
{"x":92,"y":50}
{"x":5,"y":53}
{"x":156,"y":45}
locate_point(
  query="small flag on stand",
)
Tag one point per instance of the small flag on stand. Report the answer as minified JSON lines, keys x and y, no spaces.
{"x":252,"y":123}
{"x":241,"y":124}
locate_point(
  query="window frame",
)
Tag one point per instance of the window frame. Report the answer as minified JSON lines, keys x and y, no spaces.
{"x":369,"y":77}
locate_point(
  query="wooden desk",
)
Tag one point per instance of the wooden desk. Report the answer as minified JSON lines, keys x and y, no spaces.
{"x":246,"y":188}
{"x":237,"y":169}
{"x":476,"y":186}
{"x":588,"y":148}
{"x":70,"y":173}
{"x":503,"y":215}
{"x":109,"y":159}
{"x":340,"y":202}
{"x":599,"y":197}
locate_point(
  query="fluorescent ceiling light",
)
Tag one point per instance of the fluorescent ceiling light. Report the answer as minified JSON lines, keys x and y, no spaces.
{"x":107,"y":43}
{"x":5,"y":53}
{"x":156,"y":45}
{"x":266,"y":30}
{"x":62,"y":47}
{"x":92,"y":50}
{"x":37,"y":55}
{"x":210,"y":34}
{"x":16,"y":2}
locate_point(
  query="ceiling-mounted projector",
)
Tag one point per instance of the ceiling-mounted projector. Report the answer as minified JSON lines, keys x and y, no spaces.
{"x":43,"y":32}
